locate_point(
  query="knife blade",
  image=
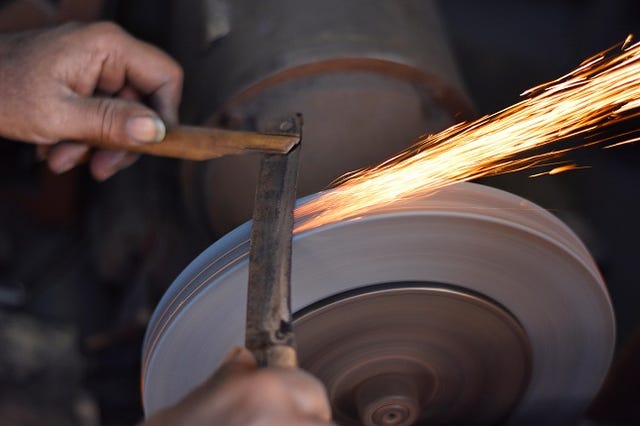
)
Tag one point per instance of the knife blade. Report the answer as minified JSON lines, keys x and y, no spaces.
{"x":203,"y":143}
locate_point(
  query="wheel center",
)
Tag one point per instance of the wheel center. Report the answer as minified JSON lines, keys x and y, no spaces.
{"x":401,"y":354}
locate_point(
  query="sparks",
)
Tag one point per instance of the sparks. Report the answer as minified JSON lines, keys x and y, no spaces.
{"x":602,"y":91}
{"x":560,"y":169}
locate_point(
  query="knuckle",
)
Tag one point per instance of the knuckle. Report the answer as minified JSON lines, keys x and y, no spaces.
{"x":105,"y":34}
{"x":267,"y":378}
{"x":177,"y":73}
{"x":107,"y":28}
{"x":173,"y":75}
{"x":106,"y":114}
{"x":176,"y":79}
{"x":271,"y":383}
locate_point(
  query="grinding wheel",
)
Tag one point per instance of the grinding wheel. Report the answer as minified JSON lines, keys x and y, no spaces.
{"x":467,"y":306}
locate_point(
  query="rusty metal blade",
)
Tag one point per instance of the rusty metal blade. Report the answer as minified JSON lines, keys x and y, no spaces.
{"x":202,"y":143}
{"x":269,"y":333}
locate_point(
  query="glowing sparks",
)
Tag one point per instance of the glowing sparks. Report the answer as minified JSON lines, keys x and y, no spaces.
{"x":603,"y":90}
{"x":560,"y":169}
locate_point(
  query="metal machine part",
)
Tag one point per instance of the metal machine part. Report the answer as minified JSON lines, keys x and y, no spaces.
{"x":520,"y":329}
{"x":406,"y":352}
{"x":370,"y":76}
{"x":269,"y":333}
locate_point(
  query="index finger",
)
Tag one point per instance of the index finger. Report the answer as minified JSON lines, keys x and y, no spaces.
{"x":146,"y":68}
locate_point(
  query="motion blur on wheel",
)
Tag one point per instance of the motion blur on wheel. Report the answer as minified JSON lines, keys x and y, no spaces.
{"x":510,"y":300}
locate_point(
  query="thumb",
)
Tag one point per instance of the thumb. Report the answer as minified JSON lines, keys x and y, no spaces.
{"x":237,"y":361}
{"x":117,"y":121}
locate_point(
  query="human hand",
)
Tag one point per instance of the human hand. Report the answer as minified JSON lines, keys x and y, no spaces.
{"x":241,"y":394}
{"x":79,"y":82}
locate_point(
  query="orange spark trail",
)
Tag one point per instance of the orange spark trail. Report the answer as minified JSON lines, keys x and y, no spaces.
{"x":603,"y":90}
{"x":560,"y":169}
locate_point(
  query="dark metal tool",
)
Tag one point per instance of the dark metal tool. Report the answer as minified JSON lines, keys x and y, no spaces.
{"x":269,"y":333}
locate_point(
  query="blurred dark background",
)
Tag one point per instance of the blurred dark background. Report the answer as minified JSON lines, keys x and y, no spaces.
{"x":82,"y":264}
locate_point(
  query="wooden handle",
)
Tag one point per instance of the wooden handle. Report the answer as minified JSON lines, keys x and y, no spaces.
{"x":201,"y":143}
{"x":276,"y":356}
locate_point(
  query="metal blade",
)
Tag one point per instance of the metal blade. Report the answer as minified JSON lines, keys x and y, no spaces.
{"x":202,"y":143}
{"x":269,"y":333}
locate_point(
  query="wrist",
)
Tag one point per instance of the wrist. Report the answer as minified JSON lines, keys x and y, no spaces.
{"x":8,"y":44}
{"x":9,"y":89}
{"x":5,"y":42}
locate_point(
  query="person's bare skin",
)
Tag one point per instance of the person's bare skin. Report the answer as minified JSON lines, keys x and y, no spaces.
{"x":79,"y":82}
{"x":239,"y":394}
{"x":86,"y":82}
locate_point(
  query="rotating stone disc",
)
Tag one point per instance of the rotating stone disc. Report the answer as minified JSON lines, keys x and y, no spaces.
{"x":396,"y":354}
{"x":468,"y":306}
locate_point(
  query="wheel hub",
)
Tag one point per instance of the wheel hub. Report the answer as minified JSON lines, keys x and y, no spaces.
{"x":394,"y":354}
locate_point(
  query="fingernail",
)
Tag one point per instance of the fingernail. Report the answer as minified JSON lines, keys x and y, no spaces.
{"x":62,"y":167}
{"x":146,"y":129}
